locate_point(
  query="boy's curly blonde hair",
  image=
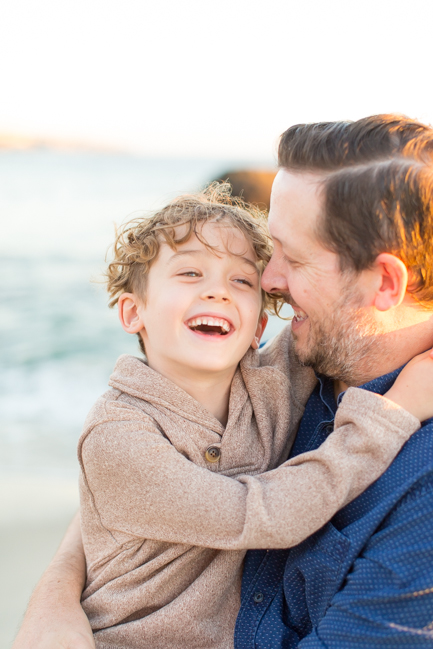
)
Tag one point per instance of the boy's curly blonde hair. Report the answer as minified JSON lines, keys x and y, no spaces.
{"x":138,"y":242}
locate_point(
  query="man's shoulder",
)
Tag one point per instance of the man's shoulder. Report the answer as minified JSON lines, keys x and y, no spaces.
{"x":412,"y":470}
{"x":415,"y":459}
{"x":400,"y":484}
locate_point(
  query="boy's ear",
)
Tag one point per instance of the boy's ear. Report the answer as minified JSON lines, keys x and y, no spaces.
{"x":392,"y":282}
{"x":259,"y":331}
{"x":129,"y":317}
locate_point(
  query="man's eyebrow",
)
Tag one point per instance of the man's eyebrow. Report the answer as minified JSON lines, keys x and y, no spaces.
{"x":285,"y":245}
{"x":180,"y":253}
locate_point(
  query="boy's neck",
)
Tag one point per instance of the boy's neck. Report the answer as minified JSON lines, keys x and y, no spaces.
{"x":211,"y":390}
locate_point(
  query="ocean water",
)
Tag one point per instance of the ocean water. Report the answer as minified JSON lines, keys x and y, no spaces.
{"x":59,"y":340}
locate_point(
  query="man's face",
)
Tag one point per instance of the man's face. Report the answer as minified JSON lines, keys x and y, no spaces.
{"x":332,"y":331}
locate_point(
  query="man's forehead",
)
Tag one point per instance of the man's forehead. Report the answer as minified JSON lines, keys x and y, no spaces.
{"x":296,"y":205}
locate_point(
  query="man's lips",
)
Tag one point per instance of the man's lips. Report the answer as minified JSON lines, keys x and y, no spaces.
{"x":299,"y":313}
{"x":299,"y":317}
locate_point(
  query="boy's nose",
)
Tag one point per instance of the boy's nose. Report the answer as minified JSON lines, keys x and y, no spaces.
{"x":219,"y":294}
{"x":216,"y":296}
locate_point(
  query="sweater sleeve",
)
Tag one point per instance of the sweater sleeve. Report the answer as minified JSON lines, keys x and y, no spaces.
{"x":142,"y":486}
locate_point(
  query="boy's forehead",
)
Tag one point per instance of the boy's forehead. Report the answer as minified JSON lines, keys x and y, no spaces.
{"x":219,"y":238}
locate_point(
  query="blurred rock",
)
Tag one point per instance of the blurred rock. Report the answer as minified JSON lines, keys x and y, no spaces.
{"x":253,"y":186}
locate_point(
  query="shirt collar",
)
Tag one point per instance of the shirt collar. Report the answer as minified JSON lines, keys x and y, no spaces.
{"x":379,"y":385}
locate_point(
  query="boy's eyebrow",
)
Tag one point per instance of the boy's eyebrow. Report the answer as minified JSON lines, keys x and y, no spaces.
{"x":184,"y":252}
{"x":201,"y":252}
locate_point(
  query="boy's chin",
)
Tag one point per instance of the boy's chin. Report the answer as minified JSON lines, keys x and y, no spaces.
{"x":208,"y":363}
{"x":209,"y":367}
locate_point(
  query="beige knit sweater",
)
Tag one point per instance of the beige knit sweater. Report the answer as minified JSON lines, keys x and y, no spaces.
{"x":165,"y":530}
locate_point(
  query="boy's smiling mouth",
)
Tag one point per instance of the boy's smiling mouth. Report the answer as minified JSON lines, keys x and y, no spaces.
{"x":210,"y":325}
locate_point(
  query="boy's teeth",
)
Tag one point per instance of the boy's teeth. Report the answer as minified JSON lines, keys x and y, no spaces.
{"x":210,"y":322}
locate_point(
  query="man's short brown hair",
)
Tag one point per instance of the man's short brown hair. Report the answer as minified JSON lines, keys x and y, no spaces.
{"x":329,"y":146}
{"x":378,"y":190}
{"x":382,"y":207}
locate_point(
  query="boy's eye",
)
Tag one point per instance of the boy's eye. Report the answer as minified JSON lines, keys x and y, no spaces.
{"x":191,"y":273}
{"x":241,"y":280}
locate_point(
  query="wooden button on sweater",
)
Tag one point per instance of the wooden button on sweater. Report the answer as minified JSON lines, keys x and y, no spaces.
{"x":213,"y":454}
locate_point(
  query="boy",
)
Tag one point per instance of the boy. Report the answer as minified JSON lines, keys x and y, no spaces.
{"x":171,"y":487}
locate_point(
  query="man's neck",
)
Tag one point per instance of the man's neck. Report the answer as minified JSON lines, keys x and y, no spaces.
{"x":339,"y":387}
{"x":396,"y":348}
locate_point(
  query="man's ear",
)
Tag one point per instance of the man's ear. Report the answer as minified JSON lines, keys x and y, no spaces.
{"x":259,"y":331}
{"x":392,"y":281}
{"x":128,"y":313}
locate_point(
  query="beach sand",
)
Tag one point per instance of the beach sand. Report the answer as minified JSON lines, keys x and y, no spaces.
{"x":34,"y":514}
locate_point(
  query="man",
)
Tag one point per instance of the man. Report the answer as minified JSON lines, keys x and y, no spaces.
{"x":352,"y":222}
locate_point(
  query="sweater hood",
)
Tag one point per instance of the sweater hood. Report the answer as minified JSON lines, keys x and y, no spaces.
{"x":133,"y":376}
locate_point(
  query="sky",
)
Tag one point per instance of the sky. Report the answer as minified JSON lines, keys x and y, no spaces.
{"x":195,"y":78}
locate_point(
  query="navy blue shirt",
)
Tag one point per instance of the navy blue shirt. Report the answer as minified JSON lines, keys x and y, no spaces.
{"x":366,"y":578}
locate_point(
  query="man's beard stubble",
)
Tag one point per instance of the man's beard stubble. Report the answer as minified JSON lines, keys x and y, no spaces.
{"x":345,"y":345}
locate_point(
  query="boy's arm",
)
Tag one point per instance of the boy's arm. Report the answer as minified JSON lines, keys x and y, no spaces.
{"x":54,"y":618}
{"x":143,"y":487}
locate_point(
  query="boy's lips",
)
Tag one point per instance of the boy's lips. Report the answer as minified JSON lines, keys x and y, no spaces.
{"x":210,"y":325}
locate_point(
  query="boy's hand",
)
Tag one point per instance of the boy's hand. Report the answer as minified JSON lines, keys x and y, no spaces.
{"x":413,"y":389}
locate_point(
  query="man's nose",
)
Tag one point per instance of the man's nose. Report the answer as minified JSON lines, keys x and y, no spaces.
{"x":273,"y":279}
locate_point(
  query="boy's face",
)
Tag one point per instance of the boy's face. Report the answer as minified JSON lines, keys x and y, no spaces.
{"x":202,"y":307}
